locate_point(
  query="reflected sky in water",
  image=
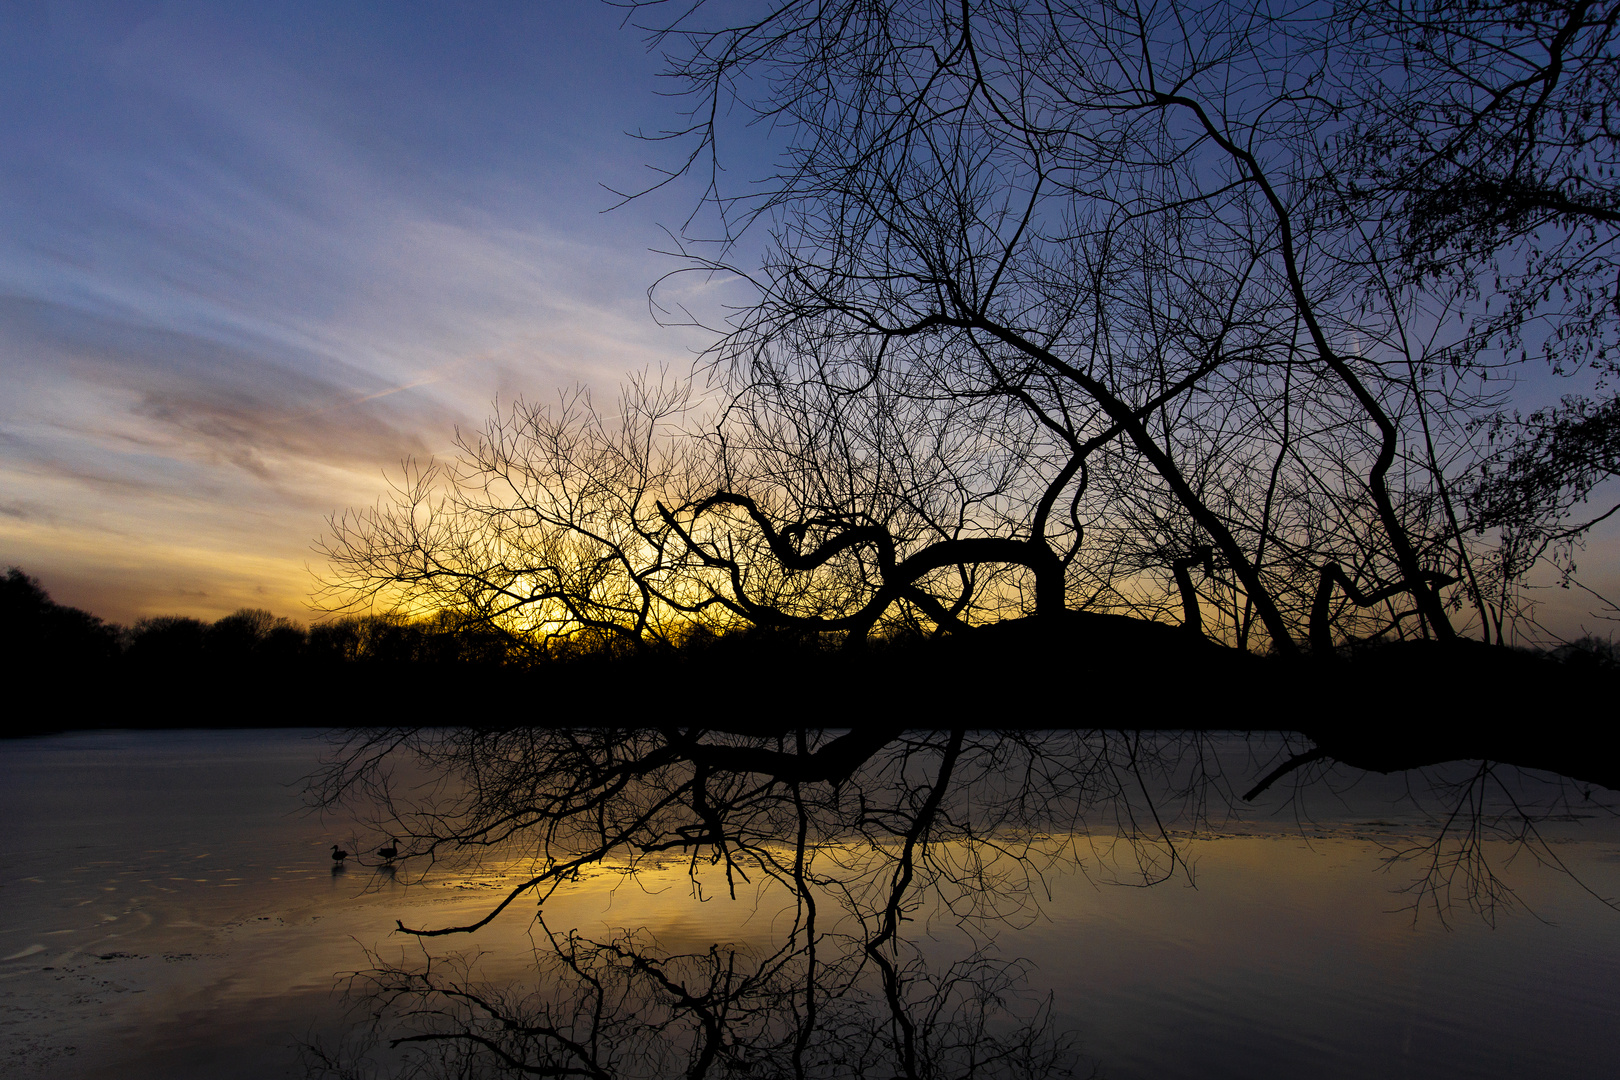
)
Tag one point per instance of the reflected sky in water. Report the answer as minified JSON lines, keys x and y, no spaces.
{"x":171,"y":911}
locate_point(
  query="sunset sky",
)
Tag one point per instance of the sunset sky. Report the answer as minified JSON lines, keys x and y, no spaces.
{"x":253,"y":255}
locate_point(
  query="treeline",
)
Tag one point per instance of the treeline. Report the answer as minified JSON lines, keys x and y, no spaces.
{"x":251,"y":668}
{"x":39,"y":632}
{"x":41,"y":635}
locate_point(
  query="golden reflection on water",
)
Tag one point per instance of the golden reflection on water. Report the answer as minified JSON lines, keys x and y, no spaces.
{"x":1240,"y":895}
{"x":213,"y":948}
{"x":1275,"y":946}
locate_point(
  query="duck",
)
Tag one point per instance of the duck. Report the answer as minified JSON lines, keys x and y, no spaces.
{"x":390,"y":851}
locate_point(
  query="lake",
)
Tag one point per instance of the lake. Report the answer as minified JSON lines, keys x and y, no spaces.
{"x":1058,"y":902}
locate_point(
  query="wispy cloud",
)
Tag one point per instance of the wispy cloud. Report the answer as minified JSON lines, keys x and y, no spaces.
{"x":252,"y":257}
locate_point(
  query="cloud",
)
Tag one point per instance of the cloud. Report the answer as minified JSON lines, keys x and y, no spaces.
{"x":242,"y":431}
{"x":251,"y":258}
{"x":151,"y":395}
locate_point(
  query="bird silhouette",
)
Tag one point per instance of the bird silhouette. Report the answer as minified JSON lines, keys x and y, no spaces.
{"x":338,"y":855}
{"x":390,"y":851}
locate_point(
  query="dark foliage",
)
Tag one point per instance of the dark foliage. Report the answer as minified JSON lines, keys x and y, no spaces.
{"x":250,"y":668}
{"x":40,"y":638}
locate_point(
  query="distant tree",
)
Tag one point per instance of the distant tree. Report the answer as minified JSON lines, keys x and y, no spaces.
{"x":39,"y":635}
{"x":335,"y":642}
{"x":254,"y":636}
{"x":167,"y":640}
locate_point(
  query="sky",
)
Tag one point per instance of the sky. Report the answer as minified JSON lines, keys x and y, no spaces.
{"x":252,"y":256}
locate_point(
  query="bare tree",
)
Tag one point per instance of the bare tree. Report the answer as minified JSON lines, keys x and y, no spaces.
{"x":1485,"y":139}
{"x":1119,"y":227}
{"x":1066,"y":306}
{"x":545,"y":526}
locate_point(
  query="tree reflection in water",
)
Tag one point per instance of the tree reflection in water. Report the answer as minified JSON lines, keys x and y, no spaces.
{"x":864,"y":834}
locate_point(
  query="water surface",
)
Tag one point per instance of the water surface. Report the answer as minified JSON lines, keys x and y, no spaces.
{"x":171,"y":911}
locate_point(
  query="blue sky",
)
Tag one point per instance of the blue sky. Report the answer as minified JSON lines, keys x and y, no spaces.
{"x":252,"y":256}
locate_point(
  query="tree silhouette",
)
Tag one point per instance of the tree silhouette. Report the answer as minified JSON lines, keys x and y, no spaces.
{"x":39,"y":637}
{"x":1492,"y":148}
{"x":1060,"y":303}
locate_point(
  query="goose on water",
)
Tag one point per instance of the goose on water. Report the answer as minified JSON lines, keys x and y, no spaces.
{"x":338,"y":854}
{"x":390,"y":851}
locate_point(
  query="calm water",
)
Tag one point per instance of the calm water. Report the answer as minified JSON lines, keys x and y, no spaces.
{"x":170,"y":911}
